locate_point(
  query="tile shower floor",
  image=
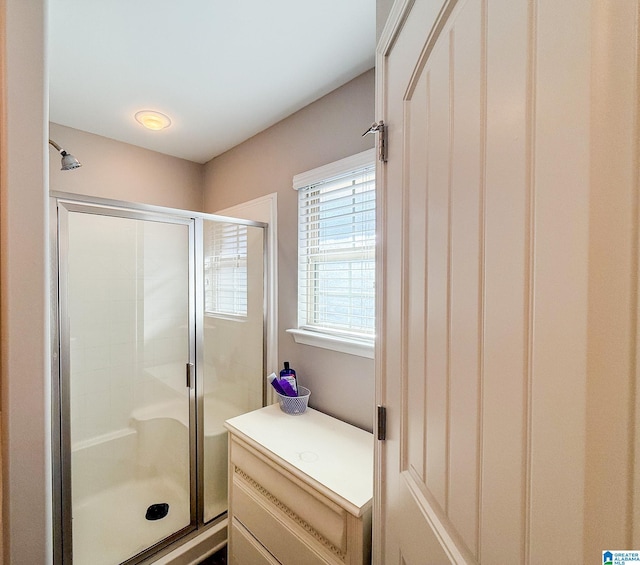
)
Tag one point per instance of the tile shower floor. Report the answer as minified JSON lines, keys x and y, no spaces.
{"x":110,"y":526}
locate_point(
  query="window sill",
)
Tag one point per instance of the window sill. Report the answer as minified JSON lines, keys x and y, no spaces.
{"x":341,"y":344}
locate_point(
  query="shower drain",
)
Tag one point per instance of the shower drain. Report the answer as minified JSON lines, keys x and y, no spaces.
{"x":157,"y":511}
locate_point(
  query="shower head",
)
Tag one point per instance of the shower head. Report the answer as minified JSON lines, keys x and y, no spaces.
{"x":69,"y":162}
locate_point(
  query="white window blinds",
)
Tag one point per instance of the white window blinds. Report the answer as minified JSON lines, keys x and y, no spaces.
{"x":225,"y":269}
{"x":336,"y":248}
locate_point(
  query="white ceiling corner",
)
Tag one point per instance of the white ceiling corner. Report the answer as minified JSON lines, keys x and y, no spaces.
{"x":222,"y":70}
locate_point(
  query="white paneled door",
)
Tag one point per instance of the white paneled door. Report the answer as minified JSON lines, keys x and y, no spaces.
{"x":508,"y":274}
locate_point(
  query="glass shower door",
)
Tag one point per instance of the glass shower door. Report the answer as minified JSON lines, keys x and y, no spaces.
{"x":127,"y":280}
{"x":233,"y":354}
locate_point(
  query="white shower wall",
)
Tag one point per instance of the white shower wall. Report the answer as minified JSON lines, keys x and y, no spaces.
{"x":127,"y":329}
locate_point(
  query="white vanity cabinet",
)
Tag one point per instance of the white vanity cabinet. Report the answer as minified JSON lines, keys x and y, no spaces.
{"x":300,"y":489}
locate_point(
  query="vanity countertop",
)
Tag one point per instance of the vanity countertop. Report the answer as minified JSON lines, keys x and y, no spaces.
{"x":332,"y":453}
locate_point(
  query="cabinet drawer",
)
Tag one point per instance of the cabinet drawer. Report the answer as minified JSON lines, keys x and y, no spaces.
{"x":246,"y":549}
{"x":287,"y":540}
{"x":302,"y":504}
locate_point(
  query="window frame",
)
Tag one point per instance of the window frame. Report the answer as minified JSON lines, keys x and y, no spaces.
{"x":220,"y":265}
{"x":328,"y":338}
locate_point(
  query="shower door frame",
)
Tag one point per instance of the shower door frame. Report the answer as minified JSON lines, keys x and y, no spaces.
{"x":63,"y":203}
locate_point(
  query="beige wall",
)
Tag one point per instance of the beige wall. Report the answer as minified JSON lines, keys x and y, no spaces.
{"x":383,"y":7}
{"x":325,"y":131}
{"x":24,"y":272}
{"x":113,"y":169}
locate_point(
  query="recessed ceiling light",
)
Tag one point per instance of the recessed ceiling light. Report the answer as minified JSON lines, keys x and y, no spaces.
{"x":152,"y":120}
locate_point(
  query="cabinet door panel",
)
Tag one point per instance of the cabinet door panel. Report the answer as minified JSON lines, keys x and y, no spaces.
{"x":246,"y":549}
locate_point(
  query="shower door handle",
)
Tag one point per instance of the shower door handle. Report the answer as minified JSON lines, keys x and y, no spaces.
{"x":189,"y":374}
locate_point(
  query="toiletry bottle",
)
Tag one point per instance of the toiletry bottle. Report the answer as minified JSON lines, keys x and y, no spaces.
{"x":275,"y":383}
{"x":289,"y":375}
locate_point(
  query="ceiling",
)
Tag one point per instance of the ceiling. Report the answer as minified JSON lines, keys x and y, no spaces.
{"x":222,"y":70}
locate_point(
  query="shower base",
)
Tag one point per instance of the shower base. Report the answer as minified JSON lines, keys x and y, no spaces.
{"x":117,"y":536}
{"x":120,"y":475}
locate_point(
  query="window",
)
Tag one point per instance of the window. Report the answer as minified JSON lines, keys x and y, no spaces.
{"x":336,"y":253}
{"x":225,"y":269}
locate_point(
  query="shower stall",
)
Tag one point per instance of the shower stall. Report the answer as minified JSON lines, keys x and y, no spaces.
{"x":159,"y":338}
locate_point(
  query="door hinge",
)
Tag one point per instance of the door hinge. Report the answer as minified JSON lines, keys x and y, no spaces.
{"x":381,"y":129}
{"x":382,"y":423}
